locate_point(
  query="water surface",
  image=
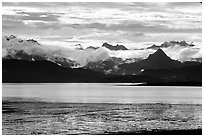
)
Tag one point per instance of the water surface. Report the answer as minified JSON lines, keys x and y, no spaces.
{"x":104,"y":93}
{"x":93,"y":109}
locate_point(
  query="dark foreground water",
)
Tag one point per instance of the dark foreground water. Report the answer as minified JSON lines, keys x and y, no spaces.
{"x":133,"y":110}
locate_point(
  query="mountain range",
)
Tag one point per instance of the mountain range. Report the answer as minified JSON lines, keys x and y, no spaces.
{"x":171,"y":44}
{"x":157,"y":69}
{"x":19,"y":65}
{"x":158,"y":60}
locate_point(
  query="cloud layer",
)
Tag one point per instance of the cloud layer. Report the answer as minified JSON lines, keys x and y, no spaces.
{"x":95,"y":23}
{"x":59,"y":26}
{"x":11,"y":45}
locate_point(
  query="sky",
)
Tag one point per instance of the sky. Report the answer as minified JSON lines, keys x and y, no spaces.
{"x":92,"y":24}
{"x":60,"y":26}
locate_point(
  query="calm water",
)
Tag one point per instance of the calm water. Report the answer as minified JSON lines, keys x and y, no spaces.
{"x":104,"y":93}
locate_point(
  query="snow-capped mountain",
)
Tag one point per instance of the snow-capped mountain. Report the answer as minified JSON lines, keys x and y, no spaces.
{"x":103,"y":59}
{"x":171,"y":44}
{"x":16,"y":48}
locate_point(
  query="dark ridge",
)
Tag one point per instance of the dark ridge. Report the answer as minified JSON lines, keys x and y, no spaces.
{"x":20,"y":54}
{"x":44,"y":72}
{"x":22,"y":71}
{"x":188,"y":75}
{"x":32,"y":41}
{"x":91,"y":47}
{"x":194,"y":84}
{"x":111,"y":47}
{"x":157,"y":60}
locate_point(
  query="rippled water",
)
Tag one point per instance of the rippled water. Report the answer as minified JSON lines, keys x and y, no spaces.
{"x":98,"y":109}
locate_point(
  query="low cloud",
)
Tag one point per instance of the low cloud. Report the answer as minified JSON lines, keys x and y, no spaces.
{"x":83,"y":56}
{"x":131,"y":54}
{"x":80,"y":56}
{"x":183,"y":53}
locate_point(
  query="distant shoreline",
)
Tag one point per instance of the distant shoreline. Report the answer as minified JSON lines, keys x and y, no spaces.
{"x":187,"y":84}
{"x":160,"y":132}
{"x":166,"y":84}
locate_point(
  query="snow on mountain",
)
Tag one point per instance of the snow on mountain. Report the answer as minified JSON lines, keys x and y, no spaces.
{"x":171,"y":44}
{"x":14,"y":47}
{"x":181,"y":51}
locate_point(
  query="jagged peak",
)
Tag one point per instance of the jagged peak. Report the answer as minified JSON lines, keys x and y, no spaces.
{"x":106,"y":44}
{"x":32,"y":41}
{"x":181,"y":43}
{"x":111,"y":47}
{"x":171,"y":44}
{"x":10,"y":37}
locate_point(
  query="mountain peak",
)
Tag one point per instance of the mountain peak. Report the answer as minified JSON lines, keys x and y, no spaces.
{"x":111,"y":47}
{"x":32,"y":41}
{"x":10,"y":37}
{"x":158,"y":54}
{"x":172,"y":44}
{"x":107,"y":45}
{"x":160,"y":60}
{"x":160,"y":51}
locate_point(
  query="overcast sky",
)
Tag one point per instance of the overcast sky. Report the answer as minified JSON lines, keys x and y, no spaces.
{"x":95,"y":23}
